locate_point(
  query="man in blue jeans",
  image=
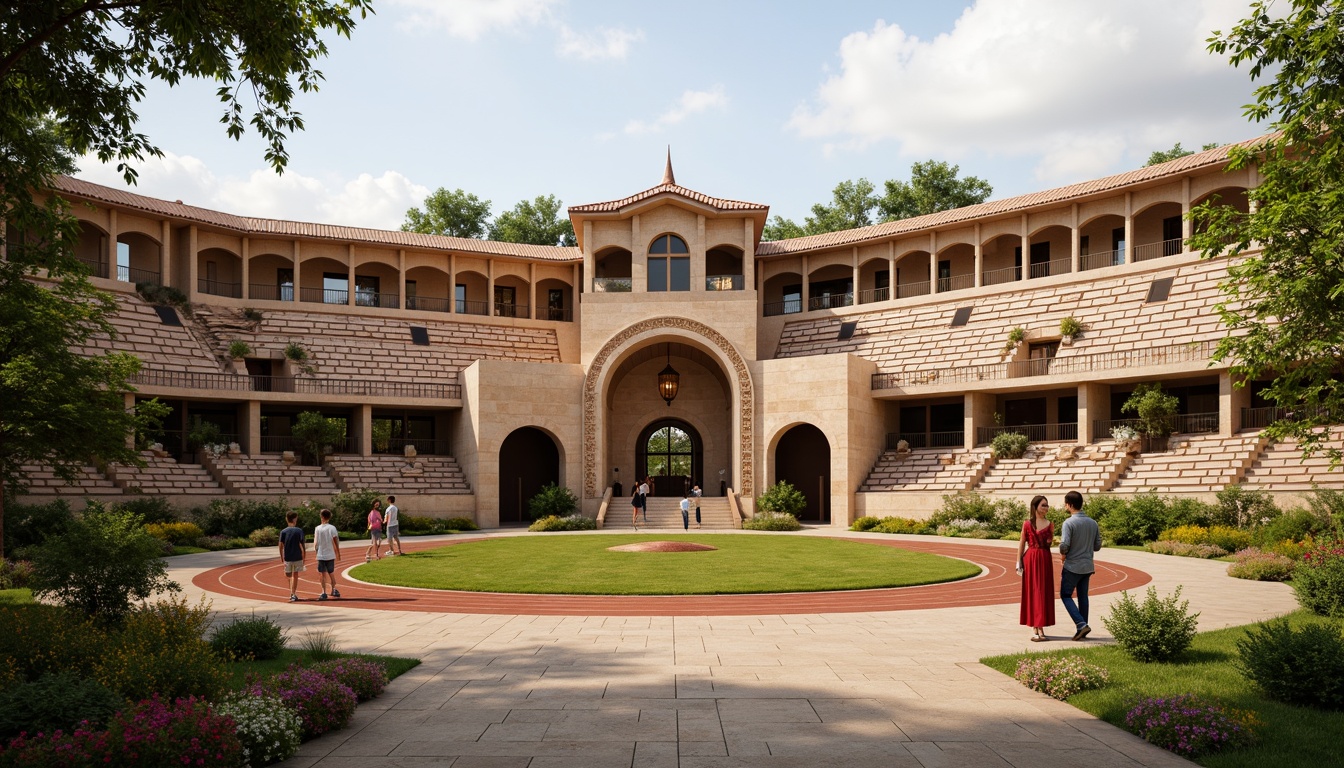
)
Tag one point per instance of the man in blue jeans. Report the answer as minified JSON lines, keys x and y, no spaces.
{"x":1080,"y":538}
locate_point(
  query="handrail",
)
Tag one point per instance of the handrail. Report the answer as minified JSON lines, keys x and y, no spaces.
{"x":906,"y":290}
{"x":232,"y":382}
{"x":602,"y":508}
{"x":734,"y":508}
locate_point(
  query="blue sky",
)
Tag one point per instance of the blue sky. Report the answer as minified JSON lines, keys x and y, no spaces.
{"x":770,"y":102}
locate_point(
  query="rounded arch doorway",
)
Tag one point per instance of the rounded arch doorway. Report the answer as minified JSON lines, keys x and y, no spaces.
{"x":671,"y":452}
{"x":803,"y":459}
{"x":528,"y":461}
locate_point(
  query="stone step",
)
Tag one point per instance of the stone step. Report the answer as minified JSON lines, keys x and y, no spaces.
{"x":665,"y":514}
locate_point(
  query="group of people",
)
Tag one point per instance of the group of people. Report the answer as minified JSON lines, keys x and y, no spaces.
{"x":1079,"y":538}
{"x":639,"y":504}
{"x":383,"y":523}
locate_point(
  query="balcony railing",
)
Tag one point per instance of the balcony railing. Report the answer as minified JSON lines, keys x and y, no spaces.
{"x":874,"y":294}
{"x":556,"y":314}
{"x":324,"y":295}
{"x":503,"y":309}
{"x":282,"y":443}
{"x":1036,"y":433}
{"x":927,"y":439}
{"x":906,"y":290}
{"x":427,"y":446}
{"x":724,"y":283}
{"x":1102,"y":259}
{"x":1158,"y":250}
{"x":231,"y":382}
{"x":137,"y":275}
{"x":96,"y":268}
{"x":1103,"y":361}
{"x":264,"y":292}
{"x":429,"y":303}
{"x":383,"y":300}
{"x":833,"y":301}
{"x":465,"y":307}
{"x":786,"y":307}
{"x":1259,"y":418}
{"x":612,"y":284}
{"x":1181,"y":424}
{"x":1000,"y":276}
{"x":1048,"y":268}
{"x":219,"y":288}
{"x":955,"y":283}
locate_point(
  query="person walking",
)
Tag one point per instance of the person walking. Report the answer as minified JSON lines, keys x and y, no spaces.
{"x":392,"y":526}
{"x":685,"y":512}
{"x":293,"y":553}
{"x":1037,"y":571}
{"x":695,"y":494}
{"x":1079,"y":538}
{"x":634,"y":507}
{"x":327,"y":550}
{"x":644,"y":498}
{"x":375,"y":532}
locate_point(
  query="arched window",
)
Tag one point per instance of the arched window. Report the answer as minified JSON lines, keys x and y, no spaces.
{"x":669,"y":264}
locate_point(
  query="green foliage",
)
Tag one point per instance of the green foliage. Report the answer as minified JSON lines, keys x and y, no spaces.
{"x":237,"y":518}
{"x":265,"y":537}
{"x":350,"y":509}
{"x":102,"y":563}
{"x":1141,"y":519}
{"x":152,"y":509}
{"x":552,"y":501}
{"x":566,"y":523}
{"x":1016,"y":335}
{"x":459,"y":524}
{"x":253,"y":315}
{"x":1177,"y":151}
{"x":15,"y":575}
{"x":1319,"y":579}
{"x":1241,"y":507}
{"x":178,"y":534}
{"x":1154,"y":408}
{"x":1060,"y":676}
{"x":415,"y":524}
{"x":1302,"y":666}
{"x":767,"y":520}
{"x":41,"y":639}
{"x":455,"y":214}
{"x":1102,"y":505}
{"x":319,"y":644}
{"x":1070,"y":326}
{"x":267,"y":728}
{"x":1294,"y":524}
{"x":164,"y":296}
{"x":1009,"y":445}
{"x":203,"y":433}
{"x":902,"y":525}
{"x":1231,"y":539}
{"x":249,"y":638}
{"x":161,"y":650}
{"x":1327,"y":503}
{"x":1258,"y":565}
{"x":1159,"y":629}
{"x":538,"y":221}
{"x":318,"y":434}
{"x":1185,"y":549}
{"x":32,"y":523}
{"x":239,"y":349}
{"x":55,"y":700}
{"x":782,"y":497}
{"x":865,"y":523}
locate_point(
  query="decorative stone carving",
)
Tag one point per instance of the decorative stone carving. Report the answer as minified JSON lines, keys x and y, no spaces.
{"x":1067,"y":453}
{"x":745,"y":394}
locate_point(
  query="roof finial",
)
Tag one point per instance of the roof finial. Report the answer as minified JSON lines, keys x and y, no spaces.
{"x":668,"y":178}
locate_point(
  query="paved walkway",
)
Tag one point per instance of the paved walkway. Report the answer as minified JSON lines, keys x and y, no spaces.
{"x":885,"y":688}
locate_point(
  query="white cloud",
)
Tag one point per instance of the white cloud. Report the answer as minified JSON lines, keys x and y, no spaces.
{"x":366,"y":201}
{"x":1082,"y":85}
{"x":690,"y":103}
{"x":602,"y":43}
{"x":470,"y":19}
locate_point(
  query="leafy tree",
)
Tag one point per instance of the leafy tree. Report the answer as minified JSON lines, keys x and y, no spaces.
{"x":781,"y":228}
{"x":1155,"y":409}
{"x":1284,"y":308}
{"x":1160,"y":156}
{"x":552,"y":501}
{"x":851,"y":206}
{"x":537,"y":221}
{"x":782,"y":497}
{"x":456,"y":214}
{"x":318,"y":434}
{"x":933,"y":187}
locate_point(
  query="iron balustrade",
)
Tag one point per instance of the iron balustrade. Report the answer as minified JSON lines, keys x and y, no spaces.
{"x":282,"y":443}
{"x":1055,"y":366}
{"x":324,"y":295}
{"x":427,"y":446}
{"x":832,"y":301}
{"x":873,"y":295}
{"x":232,"y":382}
{"x":926,"y":439}
{"x":266,"y":292}
{"x":219,"y":288}
{"x":429,"y":303}
{"x":137,"y":275}
{"x":906,"y":290}
{"x":465,"y":307}
{"x":503,"y":309}
{"x":1000,"y":276}
{"x":556,"y":314}
{"x":1036,"y":433}
{"x":956,"y":283}
{"x":1259,"y":418}
{"x":612,"y":285}
{"x":1102,"y":259}
{"x":1158,"y":250}
{"x":381,"y":300}
{"x":723,"y":283}
{"x":1181,"y":424}
{"x":1048,"y":268}
{"x":96,"y":268}
{"x":786,"y":307}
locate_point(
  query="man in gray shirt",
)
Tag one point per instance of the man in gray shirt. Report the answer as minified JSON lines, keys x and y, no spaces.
{"x":1080,"y":538}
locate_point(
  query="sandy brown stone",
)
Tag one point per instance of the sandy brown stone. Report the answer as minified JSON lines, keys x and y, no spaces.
{"x":662,"y":546}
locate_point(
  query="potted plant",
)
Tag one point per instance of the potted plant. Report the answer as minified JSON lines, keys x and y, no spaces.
{"x":1126,"y":438}
{"x":298,"y":358}
{"x":1015,"y":338}
{"x":1069,"y":328}
{"x":1156,"y":411}
{"x":239,"y":349}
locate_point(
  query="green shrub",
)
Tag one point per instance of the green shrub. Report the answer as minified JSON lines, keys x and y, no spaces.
{"x":1231,"y":539}
{"x":567,"y":523}
{"x":1258,"y":565}
{"x":41,"y":639}
{"x":319,"y":645}
{"x":1156,"y":409}
{"x":180,"y":534}
{"x":102,"y":563}
{"x":161,"y":651}
{"x":239,"y":349}
{"x":1327,"y":503}
{"x":236,"y":518}
{"x":254,"y":637}
{"x":552,"y":501}
{"x":866,"y":523}
{"x":1182,"y":549}
{"x":265,"y":537}
{"x":417,"y":524}
{"x":1319,"y":579}
{"x":15,"y":574}
{"x":152,"y":509}
{"x":350,"y":510}
{"x":1187,"y":511}
{"x":1009,"y":514}
{"x":55,"y":700}
{"x":1186,"y":534}
{"x":1159,"y":629}
{"x":1240,"y":507}
{"x":1009,"y":445}
{"x":767,"y":520}
{"x":318,"y":435}
{"x":31,"y":524}
{"x":1060,"y":676}
{"x":1139,"y":521}
{"x":367,"y":678}
{"x":460,"y":524}
{"x":1297,"y":666}
{"x":964,"y":506}
{"x":902,"y":525}
{"x":1102,"y":505}
{"x":784,"y":498}
{"x":1294,"y":524}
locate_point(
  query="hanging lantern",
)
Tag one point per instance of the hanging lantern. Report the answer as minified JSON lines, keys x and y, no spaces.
{"x":669,"y":381}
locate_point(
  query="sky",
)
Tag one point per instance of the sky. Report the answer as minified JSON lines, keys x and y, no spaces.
{"x":768,"y":102}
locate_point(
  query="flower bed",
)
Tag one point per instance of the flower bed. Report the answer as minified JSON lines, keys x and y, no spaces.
{"x":1060,"y":676}
{"x":1191,"y":726}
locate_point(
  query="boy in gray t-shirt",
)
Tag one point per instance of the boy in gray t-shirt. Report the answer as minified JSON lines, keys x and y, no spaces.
{"x":327,"y":546}
{"x":1079,"y":538}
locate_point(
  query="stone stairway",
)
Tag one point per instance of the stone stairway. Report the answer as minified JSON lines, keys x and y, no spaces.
{"x":1195,"y":463}
{"x":665,"y":514}
{"x":929,"y":471}
{"x":163,"y":475}
{"x":42,"y":481}
{"x":1280,"y":467}
{"x":1089,"y":469}
{"x":397,"y":474}
{"x":267,"y":475}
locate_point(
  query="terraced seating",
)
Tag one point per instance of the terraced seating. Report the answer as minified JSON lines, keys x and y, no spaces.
{"x":267,"y":475}
{"x":397,"y":474}
{"x":1196,"y":463}
{"x":1280,"y":467}
{"x":163,"y":475}
{"x":934,"y":470}
{"x":1089,"y":469}
{"x":88,"y":481}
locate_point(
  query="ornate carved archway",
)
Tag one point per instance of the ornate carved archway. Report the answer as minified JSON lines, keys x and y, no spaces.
{"x":592,"y":397}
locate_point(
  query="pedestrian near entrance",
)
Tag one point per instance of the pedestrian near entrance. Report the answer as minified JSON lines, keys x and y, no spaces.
{"x":685,"y":512}
{"x":327,"y":551}
{"x":634,"y":507}
{"x":1037,"y":570}
{"x":1079,"y":538}
{"x":375,"y":532}
{"x":293,"y":553}
{"x":392,"y":526}
{"x":695,"y":494}
{"x":644,"y":498}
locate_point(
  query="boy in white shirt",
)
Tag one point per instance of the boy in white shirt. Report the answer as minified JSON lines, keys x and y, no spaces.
{"x":327,"y":546}
{"x":392,"y":526}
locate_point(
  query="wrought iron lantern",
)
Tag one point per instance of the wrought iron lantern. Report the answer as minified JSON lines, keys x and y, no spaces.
{"x":669,"y":381}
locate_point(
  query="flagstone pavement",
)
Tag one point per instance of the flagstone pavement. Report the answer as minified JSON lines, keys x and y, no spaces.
{"x":892,"y":689}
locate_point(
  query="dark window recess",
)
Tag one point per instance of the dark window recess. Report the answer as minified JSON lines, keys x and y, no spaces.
{"x":168,"y":316}
{"x":961,"y":317}
{"x":420,"y":335}
{"x":1159,"y":290}
{"x":847,"y":331}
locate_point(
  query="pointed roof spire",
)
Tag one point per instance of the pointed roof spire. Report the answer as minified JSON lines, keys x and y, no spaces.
{"x":668,"y":177}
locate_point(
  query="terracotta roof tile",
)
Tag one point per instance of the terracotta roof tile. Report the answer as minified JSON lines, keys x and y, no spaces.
{"x":1212,"y":157}
{"x":249,"y":225}
{"x":672,"y":189}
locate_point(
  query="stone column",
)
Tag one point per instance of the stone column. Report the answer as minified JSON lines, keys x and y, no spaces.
{"x":490,"y":287}
{"x":891,"y":268}
{"x":807,"y":285}
{"x":250,"y":438}
{"x":979,"y":258}
{"x":978,"y":411}
{"x":166,"y":272}
{"x":933,"y":262}
{"x":245,"y":289}
{"x":1231,"y":399}
{"x":854,"y":268}
{"x":534,"y":302}
{"x":298,"y":259}
{"x":112,"y":243}
{"x":363,"y":429}
{"x":699,"y":252}
{"x":1185,"y":212}
{"x":589,"y":263}
{"x":1129,"y":228}
{"x":350,"y":275}
{"x":1026,"y":251}
{"x":1076,"y":259}
{"x":452,"y":283}
{"x":748,"y":255}
{"x":401,"y":277}
{"x":639,"y":258}
{"x":1094,"y":402}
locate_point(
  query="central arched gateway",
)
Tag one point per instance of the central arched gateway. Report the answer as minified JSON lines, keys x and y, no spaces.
{"x":528,"y":461}
{"x":672,"y":453}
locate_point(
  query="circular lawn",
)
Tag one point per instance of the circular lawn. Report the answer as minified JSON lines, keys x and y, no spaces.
{"x":585,"y":565}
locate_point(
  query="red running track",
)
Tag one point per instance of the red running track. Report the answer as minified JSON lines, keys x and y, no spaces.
{"x":266,"y":581}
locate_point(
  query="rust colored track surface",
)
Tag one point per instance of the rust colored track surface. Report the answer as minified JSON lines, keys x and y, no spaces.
{"x":1000,"y":585}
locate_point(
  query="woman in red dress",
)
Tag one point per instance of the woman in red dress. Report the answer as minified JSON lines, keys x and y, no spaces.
{"x":1037,"y":570}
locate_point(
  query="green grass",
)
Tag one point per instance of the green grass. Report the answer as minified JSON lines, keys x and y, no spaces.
{"x":15,"y":596}
{"x":184,"y":550}
{"x":582,"y":565}
{"x":240,"y":670}
{"x":1291,"y":736}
